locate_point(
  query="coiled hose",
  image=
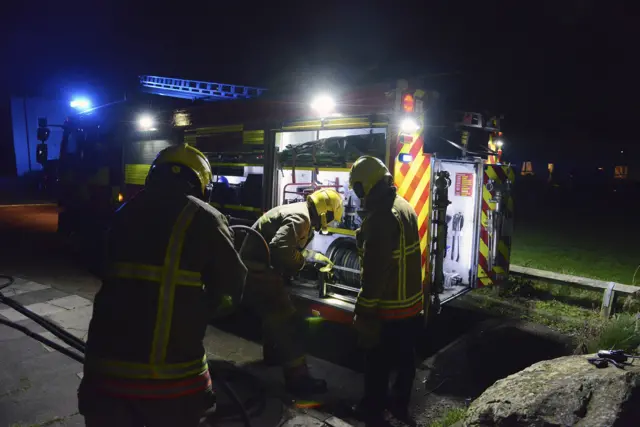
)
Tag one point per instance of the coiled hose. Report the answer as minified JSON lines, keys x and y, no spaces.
{"x":80,"y":346}
{"x":343,"y":252}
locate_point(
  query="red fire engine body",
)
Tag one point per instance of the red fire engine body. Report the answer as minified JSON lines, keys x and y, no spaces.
{"x":274,"y":150}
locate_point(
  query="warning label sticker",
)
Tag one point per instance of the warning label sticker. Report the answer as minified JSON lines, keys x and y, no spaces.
{"x":464,"y":184}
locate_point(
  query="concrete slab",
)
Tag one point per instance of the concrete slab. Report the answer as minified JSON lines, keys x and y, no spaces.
{"x":33,"y":297}
{"x":222,"y":345}
{"x":303,"y":421}
{"x":22,"y":286}
{"x":75,"y":321}
{"x":36,"y":387}
{"x":71,"y":302}
{"x":41,"y":309}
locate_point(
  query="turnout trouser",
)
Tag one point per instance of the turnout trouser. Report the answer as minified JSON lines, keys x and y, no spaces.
{"x":394,"y":352}
{"x":103,"y":410}
{"x":266,"y":295}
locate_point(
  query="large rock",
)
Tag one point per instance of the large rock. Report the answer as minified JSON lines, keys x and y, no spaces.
{"x":567,"y":391}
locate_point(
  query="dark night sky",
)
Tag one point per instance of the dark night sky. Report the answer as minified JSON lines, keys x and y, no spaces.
{"x":561,"y":71}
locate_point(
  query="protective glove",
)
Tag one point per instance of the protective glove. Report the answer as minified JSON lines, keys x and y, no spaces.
{"x":317,"y":258}
{"x":223,"y":306}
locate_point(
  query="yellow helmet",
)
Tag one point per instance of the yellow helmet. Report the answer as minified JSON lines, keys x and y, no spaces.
{"x":365,"y":173}
{"x":328,"y":204}
{"x":189,"y":157}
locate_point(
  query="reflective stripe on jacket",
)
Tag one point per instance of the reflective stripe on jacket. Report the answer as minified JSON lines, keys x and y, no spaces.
{"x":170,"y":265}
{"x":389,"y":249}
{"x":287,"y":230}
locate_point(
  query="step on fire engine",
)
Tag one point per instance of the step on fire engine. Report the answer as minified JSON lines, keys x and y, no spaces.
{"x":268,"y":150}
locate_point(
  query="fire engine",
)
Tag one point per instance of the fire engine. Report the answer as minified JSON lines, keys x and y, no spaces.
{"x":271,"y":149}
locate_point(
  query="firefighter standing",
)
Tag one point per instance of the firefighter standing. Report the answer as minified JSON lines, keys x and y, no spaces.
{"x":171,"y":265}
{"x":391,"y":295}
{"x":287,"y":229}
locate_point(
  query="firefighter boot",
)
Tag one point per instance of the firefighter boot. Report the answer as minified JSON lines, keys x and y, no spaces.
{"x":299,"y":381}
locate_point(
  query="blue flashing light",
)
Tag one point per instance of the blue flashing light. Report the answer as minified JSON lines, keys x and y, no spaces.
{"x":405,"y":158}
{"x":81,"y":104}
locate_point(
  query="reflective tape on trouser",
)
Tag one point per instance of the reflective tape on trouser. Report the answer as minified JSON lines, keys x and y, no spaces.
{"x":150,"y":389}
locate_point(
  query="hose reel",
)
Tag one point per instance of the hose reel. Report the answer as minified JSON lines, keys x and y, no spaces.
{"x":343,"y":252}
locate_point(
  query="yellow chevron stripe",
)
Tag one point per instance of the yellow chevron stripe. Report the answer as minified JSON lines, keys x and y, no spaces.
{"x":423,"y":215}
{"x":504,"y":250}
{"x":481,"y":272}
{"x":511,"y":174}
{"x":413,"y":171}
{"x":484,"y":249}
{"x":405,"y":148}
{"x":492,"y":175}
{"x":426,"y":178}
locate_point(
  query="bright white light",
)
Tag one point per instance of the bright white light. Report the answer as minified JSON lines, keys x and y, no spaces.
{"x":409,"y":126}
{"x":499,"y":143}
{"x":323,"y":105}
{"x":80,"y":104}
{"x":146,"y":122}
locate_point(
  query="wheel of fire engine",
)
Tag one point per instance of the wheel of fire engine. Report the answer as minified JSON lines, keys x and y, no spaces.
{"x":343,"y":252}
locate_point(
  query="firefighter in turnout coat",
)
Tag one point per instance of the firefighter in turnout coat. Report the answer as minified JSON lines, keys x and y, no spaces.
{"x":170,"y":266}
{"x":287,"y":229}
{"x":391,"y":296}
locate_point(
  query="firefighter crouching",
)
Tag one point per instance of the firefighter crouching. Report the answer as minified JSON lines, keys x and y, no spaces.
{"x":170,"y":265}
{"x":391,"y":296}
{"x":287,"y":229}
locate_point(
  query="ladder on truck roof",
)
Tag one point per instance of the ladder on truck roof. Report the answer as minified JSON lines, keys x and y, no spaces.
{"x":197,"y":90}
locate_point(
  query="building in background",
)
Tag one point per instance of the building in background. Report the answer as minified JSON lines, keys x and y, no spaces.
{"x":24,"y":113}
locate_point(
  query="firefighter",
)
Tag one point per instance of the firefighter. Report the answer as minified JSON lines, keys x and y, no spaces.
{"x":170,"y":265}
{"x":288,"y":229}
{"x":391,"y":296}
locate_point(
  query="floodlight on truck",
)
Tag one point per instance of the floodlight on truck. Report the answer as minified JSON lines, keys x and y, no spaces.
{"x":146,"y":123}
{"x":409,"y":125}
{"x":323,"y":105}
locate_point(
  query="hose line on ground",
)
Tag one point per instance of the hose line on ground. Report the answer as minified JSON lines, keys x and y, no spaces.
{"x":79,"y":345}
{"x":75,"y":356}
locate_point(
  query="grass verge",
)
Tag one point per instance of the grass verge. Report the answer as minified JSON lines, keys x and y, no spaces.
{"x":572,"y":311}
{"x":450,"y":418}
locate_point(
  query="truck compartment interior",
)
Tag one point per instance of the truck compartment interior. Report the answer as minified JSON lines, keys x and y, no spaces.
{"x":309,"y":160}
{"x":238,"y":185}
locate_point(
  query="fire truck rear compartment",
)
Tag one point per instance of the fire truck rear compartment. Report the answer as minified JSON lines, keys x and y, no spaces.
{"x":340,"y":290}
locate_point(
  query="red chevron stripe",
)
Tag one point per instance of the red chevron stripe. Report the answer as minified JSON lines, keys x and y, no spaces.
{"x":417,"y":178}
{"x":414,"y":151}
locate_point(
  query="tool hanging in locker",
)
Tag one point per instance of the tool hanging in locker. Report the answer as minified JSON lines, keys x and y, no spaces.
{"x":456,"y":228}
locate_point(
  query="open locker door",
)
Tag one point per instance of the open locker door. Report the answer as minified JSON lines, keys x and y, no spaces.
{"x":461,"y":241}
{"x":496,"y":226}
